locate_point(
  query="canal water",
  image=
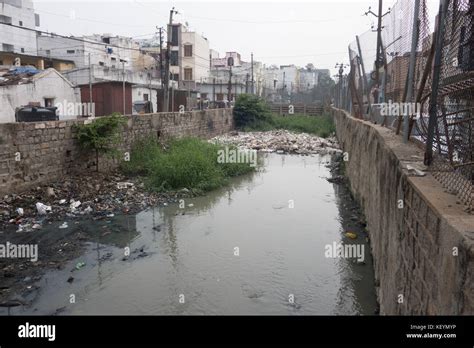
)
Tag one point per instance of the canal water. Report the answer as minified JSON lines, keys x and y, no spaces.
{"x":256,"y":246}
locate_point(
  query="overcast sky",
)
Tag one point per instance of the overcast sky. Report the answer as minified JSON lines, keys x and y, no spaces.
{"x":277,"y":32}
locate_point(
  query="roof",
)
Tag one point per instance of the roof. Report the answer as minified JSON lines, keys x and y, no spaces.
{"x":24,"y":75}
{"x":5,"y":53}
{"x":105,"y":82}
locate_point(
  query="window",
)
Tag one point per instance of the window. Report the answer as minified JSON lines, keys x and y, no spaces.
{"x":71,"y":51}
{"x":188,"y":74}
{"x":22,"y":50}
{"x":113,"y":59}
{"x":101,"y":63}
{"x":7,"y":48}
{"x":48,"y":102}
{"x":174,"y":35}
{"x":175,"y":77}
{"x":174,"y":58}
{"x":188,"y":50}
{"x":48,"y":52}
{"x":20,"y":23}
{"x":5,"y":19}
{"x":145,"y":96}
{"x":106,"y":40}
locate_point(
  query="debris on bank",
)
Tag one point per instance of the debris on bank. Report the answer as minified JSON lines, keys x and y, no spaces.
{"x":280,"y":141}
{"x":93,"y":195}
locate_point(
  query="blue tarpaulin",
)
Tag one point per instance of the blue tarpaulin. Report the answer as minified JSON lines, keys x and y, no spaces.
{"x":24,"y":70}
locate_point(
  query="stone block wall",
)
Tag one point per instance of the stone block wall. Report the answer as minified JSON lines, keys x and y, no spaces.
{"x":39,"y":152}
{"x":423,"y":248}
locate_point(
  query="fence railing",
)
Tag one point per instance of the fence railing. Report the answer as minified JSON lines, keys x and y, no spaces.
{"x":300,"y":109}
{"x":421,"y":85}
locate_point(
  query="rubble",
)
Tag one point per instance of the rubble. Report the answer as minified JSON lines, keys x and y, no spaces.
{"x":280,"y":141}
{"x":87,"y":196}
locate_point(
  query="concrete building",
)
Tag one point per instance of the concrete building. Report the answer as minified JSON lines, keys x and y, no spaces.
{"x":18,"y":13}
{"x":288,"y":79}
{"x":189,"y":60}
{"x":45,"y":88}
{"x":10,"y":59}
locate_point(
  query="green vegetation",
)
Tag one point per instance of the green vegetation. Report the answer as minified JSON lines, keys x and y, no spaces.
{"x":251,"y":113}
{"x":189,"y":163}
{"x":101,"y":135}
{"x":321,"y":126}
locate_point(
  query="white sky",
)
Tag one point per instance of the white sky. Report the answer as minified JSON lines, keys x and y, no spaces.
{"x":277,"y":32}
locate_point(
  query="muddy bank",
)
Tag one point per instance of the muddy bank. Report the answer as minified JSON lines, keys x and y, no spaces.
{"x":56,"y":217}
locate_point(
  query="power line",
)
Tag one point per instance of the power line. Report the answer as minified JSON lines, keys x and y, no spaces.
{"x":72,"y":38}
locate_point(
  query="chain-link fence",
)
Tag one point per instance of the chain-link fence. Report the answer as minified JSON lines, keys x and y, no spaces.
{"x":420,"y":83}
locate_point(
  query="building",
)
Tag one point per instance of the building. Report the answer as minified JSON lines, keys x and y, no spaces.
{"x":10,"y":59}
{"x":21,"y":14}
{"x":33,"y":87}
{"x":189,"y":57}
{"x":288,"y":80}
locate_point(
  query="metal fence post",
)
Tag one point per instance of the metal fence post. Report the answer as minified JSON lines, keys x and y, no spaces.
{"x":433,"y":108}
{"x":411,"y":69}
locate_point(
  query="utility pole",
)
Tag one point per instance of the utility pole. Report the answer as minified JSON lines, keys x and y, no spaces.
{"x":230,"y":63}
{"x":166,"y":96}
{"x":90,"y":87}
{"x":340,"y":74}
{"x":214,"y":90}
{"x":229,"y":88}
{"x":253,"y":91}
{"x":379,"y":50}
{"x":161,"y":55}
{"x":123,"y":85}
{"x":433,"y":106}
{"x":247,"y":83}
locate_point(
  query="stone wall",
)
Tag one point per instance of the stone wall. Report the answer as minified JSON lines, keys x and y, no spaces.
{"x":423,"y":248}
{"x":39,"y":152}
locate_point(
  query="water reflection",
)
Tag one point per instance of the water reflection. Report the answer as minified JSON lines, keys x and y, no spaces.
{"x":190,"y":251}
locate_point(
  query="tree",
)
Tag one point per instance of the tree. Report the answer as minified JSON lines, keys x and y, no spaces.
{"x":310,"y":67}
{"x":249,"y":110}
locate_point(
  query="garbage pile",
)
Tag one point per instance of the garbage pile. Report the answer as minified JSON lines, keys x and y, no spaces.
{"x":95,"y":195}
{"x":280,"y":141}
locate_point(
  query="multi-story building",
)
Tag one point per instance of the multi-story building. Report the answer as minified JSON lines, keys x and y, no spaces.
{"x":20,"y":15}
{"x":103,"y":50}
{"x":189,"y":57}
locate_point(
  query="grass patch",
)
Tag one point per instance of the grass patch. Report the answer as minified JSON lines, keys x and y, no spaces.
{"x":189,"y":163}
{"x":322,"y":126}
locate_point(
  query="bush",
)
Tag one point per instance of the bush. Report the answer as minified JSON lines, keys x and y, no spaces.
{"x":250,"y":110}
{"x":101,"y":135}
{"x":186,"y":163}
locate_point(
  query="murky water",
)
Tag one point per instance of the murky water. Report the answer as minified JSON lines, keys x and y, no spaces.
{"x":249,"y":248}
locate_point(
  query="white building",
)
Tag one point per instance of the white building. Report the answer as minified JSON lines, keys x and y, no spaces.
{"x":190,"y":56}
{"x":18,"y":13}
{"x":46,"y":88}
{"x":104,"y":50}
{"x":288,"y":79}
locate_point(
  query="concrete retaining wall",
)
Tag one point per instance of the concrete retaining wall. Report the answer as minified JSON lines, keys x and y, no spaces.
{"x":424,"y":250}
{"x":34,"y":153}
